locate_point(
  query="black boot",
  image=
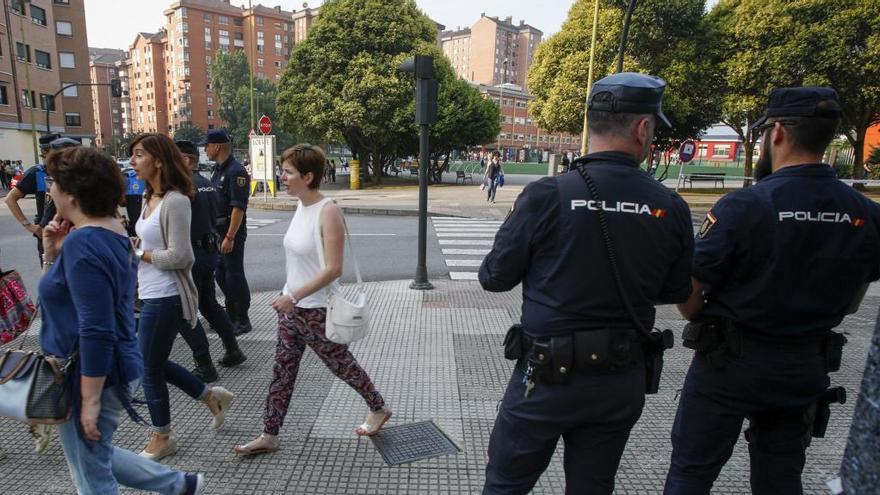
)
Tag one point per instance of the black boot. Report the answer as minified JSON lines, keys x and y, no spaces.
{"x":244,"y":321}
{"x":232,"y":357}
{"x":205,"y":370}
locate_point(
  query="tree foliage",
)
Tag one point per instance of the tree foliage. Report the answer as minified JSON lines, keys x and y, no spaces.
{"x":666,"y":39}
{"x":189,"y":132}
{"x":344,"y":83}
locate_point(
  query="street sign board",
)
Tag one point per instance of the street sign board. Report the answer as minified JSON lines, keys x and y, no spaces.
{"x":687,"y":151}
{"x":265,"y":125}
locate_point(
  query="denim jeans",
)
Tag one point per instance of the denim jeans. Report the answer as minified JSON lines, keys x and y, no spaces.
{"x":98,"y":468}
{"x":493,"y":187}
{"x":161,"y":320}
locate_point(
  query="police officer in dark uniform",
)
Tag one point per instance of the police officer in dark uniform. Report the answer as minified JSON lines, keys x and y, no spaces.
{"x":203,"y":233}
{"x":582,"y":355}
{"x":134,"y":198}
{"x":33,"y":182}
{"x":776,"y":268}
{"x":232,"y":181}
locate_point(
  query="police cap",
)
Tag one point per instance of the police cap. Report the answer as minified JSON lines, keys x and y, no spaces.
{"x":216,"y":136}
{"x":807,"y":101}
{"x":64,"y":142}
{"x":46,"y":139}
{"x":187,"y":148}
{"x":629,"y":92}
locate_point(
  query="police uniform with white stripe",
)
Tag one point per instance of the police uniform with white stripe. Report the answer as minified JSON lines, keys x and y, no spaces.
{"x":779,"y":264}
{"x":552,"y":244}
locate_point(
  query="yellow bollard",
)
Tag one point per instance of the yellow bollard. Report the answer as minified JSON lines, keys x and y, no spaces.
{"x":354,"y":167}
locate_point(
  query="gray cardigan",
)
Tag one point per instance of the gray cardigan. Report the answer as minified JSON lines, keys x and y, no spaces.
{"x":178,"y":257}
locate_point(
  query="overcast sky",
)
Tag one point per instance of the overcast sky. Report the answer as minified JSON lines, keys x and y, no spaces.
{"x":114,"y":23}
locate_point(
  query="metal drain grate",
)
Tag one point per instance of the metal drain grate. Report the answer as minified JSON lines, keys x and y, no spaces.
{"x":413,"y":442}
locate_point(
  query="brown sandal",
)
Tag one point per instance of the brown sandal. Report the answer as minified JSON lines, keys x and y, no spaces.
{"x":368,"y":428}
{"x":263,"y":444}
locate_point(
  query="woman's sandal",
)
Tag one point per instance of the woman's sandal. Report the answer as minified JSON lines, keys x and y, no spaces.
{"x":263,"y":444}
{"x":374,"y":422}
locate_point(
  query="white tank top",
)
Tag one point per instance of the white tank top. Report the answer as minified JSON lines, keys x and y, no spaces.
{"x":153,"y":283}
{"x":301,"y":255}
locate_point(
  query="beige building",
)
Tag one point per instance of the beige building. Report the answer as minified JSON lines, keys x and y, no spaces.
{"x":492,"y":51}
{"x":106,"y":108}
{"x":43,"y":45}
{"x":146,"y":81}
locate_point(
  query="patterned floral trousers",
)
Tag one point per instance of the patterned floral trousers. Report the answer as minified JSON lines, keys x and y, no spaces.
{"x":295,"y":331}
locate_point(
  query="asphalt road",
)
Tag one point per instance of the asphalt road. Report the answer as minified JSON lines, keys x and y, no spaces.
{"x":386,"y":248}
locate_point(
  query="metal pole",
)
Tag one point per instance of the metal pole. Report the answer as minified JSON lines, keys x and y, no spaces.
{"x":624,"y":33}
{"x":585,"y":135}
{"x":27,"y":81}
{"x":421,"y":281}
{"x":253,"y":123}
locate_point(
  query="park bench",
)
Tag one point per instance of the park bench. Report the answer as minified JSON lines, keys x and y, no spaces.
{"x":462,"y":176}
{"x":715,"y":177}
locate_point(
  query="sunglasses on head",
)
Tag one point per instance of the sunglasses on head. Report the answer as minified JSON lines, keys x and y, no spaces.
{"x":769,"y":125}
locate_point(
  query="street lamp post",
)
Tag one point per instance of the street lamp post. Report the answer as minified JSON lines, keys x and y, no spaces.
{"x":501,"y":101}
{"x":585,"y":135}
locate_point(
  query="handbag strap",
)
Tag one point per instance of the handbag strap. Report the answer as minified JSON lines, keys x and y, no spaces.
{"x":30,"y":324}
{"x":319,"y":247}
{"x":611,"y":253}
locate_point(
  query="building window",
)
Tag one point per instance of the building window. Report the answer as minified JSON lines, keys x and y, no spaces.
{"x":44,"y":60}
{"x":259,"y":62}
{"x":72,"y":119}
{"x":238,"y":21}
{"x":277,"y":64}
{"x":223,"y":19}
{"x":210,"y":114}
{"x":63,"y":28}
{"x":207,"y":60}
{"x":27,"y":98}
{"x":38,"y":15}
{"x":210,"y":100}
{"x":259,"y":21}
{"x":207,"y":18}
{"x":67,"y":60}
{"x":62,"y":2}
{"x":4,"y":97}
{"x":47,"y":102}
{"x":23,"y":52}
{"x":721,"y":151}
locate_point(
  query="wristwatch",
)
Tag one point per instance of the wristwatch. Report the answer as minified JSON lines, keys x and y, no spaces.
{"x":139,"y":253}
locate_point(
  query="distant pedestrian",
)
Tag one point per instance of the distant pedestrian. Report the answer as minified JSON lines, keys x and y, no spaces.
{"x":87,"y":292}
{"x":166,"y":287}
{"x":302,"y":304}
{"x":331,"y":167}
{"x":493,"y":176}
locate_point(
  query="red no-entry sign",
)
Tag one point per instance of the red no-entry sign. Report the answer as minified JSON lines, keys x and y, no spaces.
{"x":265,"y":125}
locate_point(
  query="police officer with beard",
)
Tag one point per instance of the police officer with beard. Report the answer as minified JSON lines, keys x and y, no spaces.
{"x":584,"y":356}
{"x":203,"y":235}
{"x":231,"y":181}
{"x":776,"y":267}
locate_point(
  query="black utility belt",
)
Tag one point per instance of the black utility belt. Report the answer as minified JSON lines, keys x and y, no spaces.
{"x":604,"y":350}
{"x":720,"y":340}
{"x":207,"y":243}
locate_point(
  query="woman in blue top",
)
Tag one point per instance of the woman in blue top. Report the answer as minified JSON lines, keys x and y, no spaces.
{"x":87,"y":295}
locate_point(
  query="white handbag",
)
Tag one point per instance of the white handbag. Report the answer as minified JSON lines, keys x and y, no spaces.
{"x":347,"y":321}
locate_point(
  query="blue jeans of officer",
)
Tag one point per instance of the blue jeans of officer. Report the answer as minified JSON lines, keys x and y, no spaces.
{"x":203,"y":275}
{"x":98,"y":468}
{"x":231,"y":279}
{"x":772,"y":388}
{"x":161,"y":320}
{"x":592,"y":413}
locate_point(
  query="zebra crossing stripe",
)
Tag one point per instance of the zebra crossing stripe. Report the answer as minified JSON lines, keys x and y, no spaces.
{"x":465,"y":242}
{"x":464,"y":262}
{"x":466,"y":234}
{"x":466,"y":252}
{"x":463,"y":276}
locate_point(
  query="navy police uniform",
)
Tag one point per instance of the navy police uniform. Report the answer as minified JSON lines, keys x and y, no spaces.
{"x":134,"y":198}
{"x":782,"y":261}
{"x":551,"y":244}
{"x":34,"y":182}
{"x":231,"y":181}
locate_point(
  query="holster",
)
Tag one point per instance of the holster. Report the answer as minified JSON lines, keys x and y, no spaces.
{"x":657,"y":344}
{"x":514,"y":347}
{"x":552,"y":359}
{"x":833,"y":351}
{"x":821,"y":413}
{"x":716,"y":339}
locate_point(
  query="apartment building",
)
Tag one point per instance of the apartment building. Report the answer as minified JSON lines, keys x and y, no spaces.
{"x":43,"y":44}
{"x":146,"y":81}
{"x":106,"y":108}
{"x":520,"y":136}
{"x":492,"y":51}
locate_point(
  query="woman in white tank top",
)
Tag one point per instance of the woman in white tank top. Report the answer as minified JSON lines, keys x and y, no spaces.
{"x":302,"y":304}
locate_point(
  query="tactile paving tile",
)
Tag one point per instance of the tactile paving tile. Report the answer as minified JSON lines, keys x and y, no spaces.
{"x":413,"y":442}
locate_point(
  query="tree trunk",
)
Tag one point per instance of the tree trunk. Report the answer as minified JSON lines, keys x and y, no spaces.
{"x":749,"y":141}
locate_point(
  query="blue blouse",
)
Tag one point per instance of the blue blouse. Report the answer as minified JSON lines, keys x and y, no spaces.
{"x":87,"y":300}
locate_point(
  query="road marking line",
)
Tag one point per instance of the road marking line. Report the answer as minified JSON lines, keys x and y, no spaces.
{"x":464,"y":242}
{"x":463,"y":276}
{"x":464,"y":262}
{"x":469,"y":252}
{"x":466,"y":234}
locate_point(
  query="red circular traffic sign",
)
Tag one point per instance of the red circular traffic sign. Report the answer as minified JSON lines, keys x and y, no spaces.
{"x":265,"y":125}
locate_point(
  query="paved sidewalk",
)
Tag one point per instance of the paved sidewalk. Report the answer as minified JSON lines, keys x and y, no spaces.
{"x":434,"y":355}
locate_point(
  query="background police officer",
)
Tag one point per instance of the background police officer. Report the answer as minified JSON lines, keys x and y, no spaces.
{"x":134,"y":198}
{"x":552,"y":243}
{"x":33,"y":182}
{"x":776,"y":267}
{"x":231,"y":181}
{"x":203,"y":234}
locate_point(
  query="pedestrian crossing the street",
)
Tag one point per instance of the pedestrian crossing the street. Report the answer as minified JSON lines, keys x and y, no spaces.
{"x":256,"y":223}
{"x":464,"y":242}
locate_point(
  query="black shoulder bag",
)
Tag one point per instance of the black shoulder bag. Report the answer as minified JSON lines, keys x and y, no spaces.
{"x":656,"y":341}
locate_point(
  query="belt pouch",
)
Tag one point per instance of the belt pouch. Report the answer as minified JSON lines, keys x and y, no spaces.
{"x":834,"y":343}
{"x":561,"y":357}
{"x":703,"y":335}
{"x":513,"y":343}
{"x":593,"y":350}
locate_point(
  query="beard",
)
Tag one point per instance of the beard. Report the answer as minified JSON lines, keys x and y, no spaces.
{"x":764,"y":166}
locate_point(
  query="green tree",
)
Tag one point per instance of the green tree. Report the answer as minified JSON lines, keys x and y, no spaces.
{"x":667,"y":38}
{"x":344,"y":83}
{"x":189,"y":132}
{"x":118,"y":146}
